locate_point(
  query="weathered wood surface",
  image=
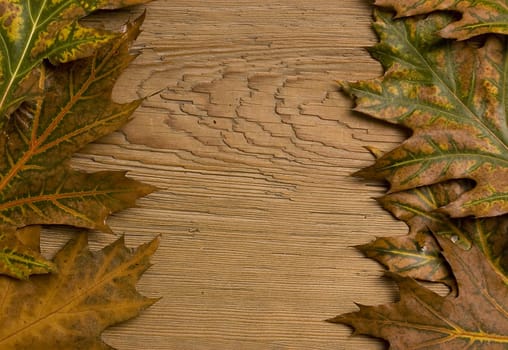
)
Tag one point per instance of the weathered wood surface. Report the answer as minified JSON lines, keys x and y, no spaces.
{"x":251,"y":145}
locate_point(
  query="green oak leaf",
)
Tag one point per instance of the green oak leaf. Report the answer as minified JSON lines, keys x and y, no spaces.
{"x":37,"y":185}
{"x":31,"y":31}
{"x":478,"y":17}
{"x":452,"y":96}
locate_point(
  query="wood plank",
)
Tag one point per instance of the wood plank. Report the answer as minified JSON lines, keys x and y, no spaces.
{"x":251,"y":145}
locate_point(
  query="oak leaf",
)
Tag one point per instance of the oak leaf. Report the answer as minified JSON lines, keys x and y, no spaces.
{"x":70,"y":309}
{"x":31,"y":31}
{"x":474,"y":318}
{"x":478,"y":17}
{"x":452,"y":96}
{"x":37,"y":185}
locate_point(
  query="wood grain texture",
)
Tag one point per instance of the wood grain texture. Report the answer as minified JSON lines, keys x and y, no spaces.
{"x":251,"y":145}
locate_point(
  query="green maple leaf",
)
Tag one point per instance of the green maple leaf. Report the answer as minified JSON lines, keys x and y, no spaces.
{"x":37,"y":185}
{"x":474,"y":318}
{"x":31,"y":31}
{"x":452,"y":95}
{"x":478,"y":17}
{"x":70,"y":309}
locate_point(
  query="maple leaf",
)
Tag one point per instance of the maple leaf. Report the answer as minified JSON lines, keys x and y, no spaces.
{"x":417,"y":254}
{"x":31,"y":31}
{"x":37,"y":185}
{"x":478,"y":17}
{"x":475,"y":318}
{"x":70,"y":309}
{"x":19,"y":253}
{"x":452,"y":95}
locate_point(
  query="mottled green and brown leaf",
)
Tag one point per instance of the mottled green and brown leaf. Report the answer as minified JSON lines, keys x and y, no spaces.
{"x":70,"y":309}
{"x":478,"y":17}
{"x":474,"y":318}
{"x":452,"y":95}
{"x":31,"y":31}
{"x":37,"y":185}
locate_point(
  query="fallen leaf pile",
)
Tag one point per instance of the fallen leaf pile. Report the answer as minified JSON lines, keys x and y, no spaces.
{"x":448,"y":180}
{"x":56,"y":82}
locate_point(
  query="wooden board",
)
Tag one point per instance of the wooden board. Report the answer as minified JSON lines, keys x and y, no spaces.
{"x":252,"y":147}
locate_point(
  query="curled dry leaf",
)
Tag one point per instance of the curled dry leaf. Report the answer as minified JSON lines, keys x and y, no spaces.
{"x":412,"y":256}
{"x":478,"y":17}
{"x":418,"y":208}
{"x":453,"y":96}
{"x":417,"y":254}
{"x":70,"y":309}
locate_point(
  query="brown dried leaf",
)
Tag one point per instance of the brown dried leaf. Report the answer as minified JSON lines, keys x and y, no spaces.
{"x":70,"y":309}
{"x":475,"y":318}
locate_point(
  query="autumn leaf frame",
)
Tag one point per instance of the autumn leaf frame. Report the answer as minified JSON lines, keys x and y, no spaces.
{"x":448,"y":180}
{"x":56,"y":82}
